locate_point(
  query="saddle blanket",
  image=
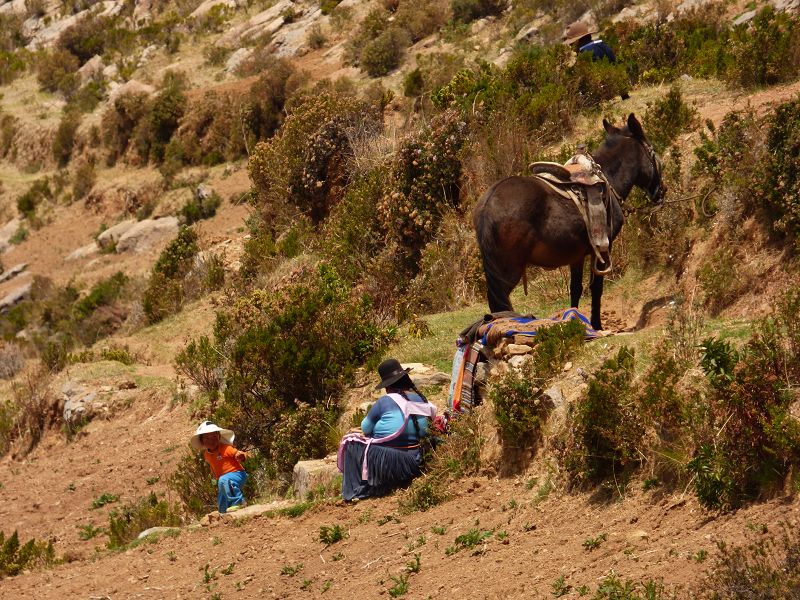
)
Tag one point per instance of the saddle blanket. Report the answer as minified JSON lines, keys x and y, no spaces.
{"x":492,"y":332}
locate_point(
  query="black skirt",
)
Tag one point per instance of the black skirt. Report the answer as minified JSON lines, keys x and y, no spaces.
{"x":388,"y":469}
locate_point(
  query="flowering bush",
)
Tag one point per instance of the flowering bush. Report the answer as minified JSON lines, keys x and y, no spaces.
{"x":424,"y":181}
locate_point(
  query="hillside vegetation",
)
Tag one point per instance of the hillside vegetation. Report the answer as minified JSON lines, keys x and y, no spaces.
{"x":235,"y":211}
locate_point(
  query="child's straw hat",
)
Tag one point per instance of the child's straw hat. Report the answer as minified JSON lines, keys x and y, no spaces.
{"x":225,"y":435}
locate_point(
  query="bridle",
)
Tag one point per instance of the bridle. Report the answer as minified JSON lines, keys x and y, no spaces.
{"x":654,"y":191}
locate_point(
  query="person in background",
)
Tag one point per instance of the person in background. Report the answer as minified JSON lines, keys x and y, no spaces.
{"x":579,"y":36}
{"x":225,"y":462}
{"x":386,"y":453}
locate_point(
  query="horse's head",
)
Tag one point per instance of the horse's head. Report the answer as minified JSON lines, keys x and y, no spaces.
{"x":649,"y":177}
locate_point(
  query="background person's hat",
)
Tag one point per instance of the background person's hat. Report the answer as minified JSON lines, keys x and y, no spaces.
{"x":225,"y":435}
{"x":391,"y":371}
{"x":576,"y":31}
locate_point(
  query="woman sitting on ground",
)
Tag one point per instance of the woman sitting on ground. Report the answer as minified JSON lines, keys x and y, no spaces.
{"x":386,"y":453}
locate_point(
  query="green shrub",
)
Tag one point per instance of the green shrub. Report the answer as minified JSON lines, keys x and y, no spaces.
{"x":126,"y":523}
{"x":102,"y":293}
{"x":606,"y":428}
{"x":373,"y":24}
{"x":746,"y":440}
{"x":88,"y":37}
{"x":12,"y":65}
{"x":191,"y":481}
{"x":16,"y":557}
{"x":667,"y":118}
{"x":519,"y":407}
{"x":65,"y":137}
{"x":201,"y":362}
{"x":380,"y":56}
{"x":166,"y":110}
{"x":301,"y":342}
{"x":198,"y":209}
{"x":765,"y":51}
{"x":38,"y":192}
{"x":720,"y":279}
{"x":306,"y":433}
{"x":455,"y":456}
{"x":465,"y":11}
{"x":164,"y":294}
{"x":119,"y":122}
{"x":327,"y":6}
{"x":56,"y":71}
{"x":303,"y":165}
{"x":766,"y":568}
{"x":413,"y":83}
{"x":84,"y":179}
{"x":424,"y":183}
{"x":782,"y":181}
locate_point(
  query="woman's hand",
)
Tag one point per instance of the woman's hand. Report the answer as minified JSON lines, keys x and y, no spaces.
{"x":240,"y":456}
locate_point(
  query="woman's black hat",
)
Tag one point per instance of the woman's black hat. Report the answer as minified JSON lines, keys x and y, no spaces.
{"x":391,"y":371}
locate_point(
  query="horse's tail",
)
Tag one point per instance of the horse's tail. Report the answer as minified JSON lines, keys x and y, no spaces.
{"x":497,"y":286}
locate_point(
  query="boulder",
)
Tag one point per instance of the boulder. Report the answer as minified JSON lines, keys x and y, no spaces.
{"x":209,"y":4}
{"x":111,"y":236}
{"x":518,"y":349}
{"x":254,"y":510}
{"x":15,"y":296}
{"x":423,"y":375}
{"x":154,"y":530}
{"x":83,"y":252}
{"x":145,"y":234}
{"x":13,"y":272}
{"x":7,"y":231}
{"x":266,"y":22}
{"x":237,"y":58}
{"x":310,"y":475}
{"x":92,"y":68}
{"x":130,"y":87}
{"x":81,"y":404}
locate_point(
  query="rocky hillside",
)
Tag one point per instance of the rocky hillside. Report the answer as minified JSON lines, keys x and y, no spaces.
{"x":235,"y":210}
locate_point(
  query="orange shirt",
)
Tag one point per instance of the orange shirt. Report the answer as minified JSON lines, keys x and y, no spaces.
{"x":222,"y":461}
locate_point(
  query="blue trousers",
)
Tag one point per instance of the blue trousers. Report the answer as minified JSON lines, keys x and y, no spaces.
{"x":229,"y":490}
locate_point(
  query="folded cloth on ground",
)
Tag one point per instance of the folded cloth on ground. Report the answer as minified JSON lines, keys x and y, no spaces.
{"x":492,"y":332}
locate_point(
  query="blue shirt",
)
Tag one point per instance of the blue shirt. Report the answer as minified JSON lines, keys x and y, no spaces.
{"x":385,"y":417}
{"x":599,"y":50}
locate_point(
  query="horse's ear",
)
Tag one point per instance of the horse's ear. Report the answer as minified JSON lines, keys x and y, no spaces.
{"x":635,"y":127}
{"x":609,"y":127}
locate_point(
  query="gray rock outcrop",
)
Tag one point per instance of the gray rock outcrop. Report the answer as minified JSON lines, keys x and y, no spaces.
{"x":142,"y":236}
{"x":309,"y":476}
{"x":110,"y":236}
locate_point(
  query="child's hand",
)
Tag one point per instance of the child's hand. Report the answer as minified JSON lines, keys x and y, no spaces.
{"x":240,"y":456}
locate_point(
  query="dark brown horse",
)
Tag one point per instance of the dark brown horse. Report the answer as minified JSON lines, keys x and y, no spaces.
{"x":520,"y":221}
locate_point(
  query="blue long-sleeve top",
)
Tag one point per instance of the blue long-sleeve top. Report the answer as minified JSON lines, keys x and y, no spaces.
{"x":385,"y":417}
{"x":599,"y":50}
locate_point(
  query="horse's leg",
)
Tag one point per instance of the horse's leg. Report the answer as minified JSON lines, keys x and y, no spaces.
{"x":596,"y":286}
{"x":575,"y":283}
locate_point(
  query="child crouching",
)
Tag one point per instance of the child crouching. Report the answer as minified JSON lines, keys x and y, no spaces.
{"x":225,"y":462}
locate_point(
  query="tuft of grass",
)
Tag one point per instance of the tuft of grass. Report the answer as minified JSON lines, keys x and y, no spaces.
{"x":291,"y":570}
{"x":330,"y":534}
{"x":103,"y":499}
{"x":592,"y":543}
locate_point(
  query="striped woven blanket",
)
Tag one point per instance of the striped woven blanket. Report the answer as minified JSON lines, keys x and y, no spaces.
{"x":492,"y":332}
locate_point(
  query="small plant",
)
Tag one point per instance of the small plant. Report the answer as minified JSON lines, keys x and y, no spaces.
{"x":326,"y":586}
{"x":227,"y":570}
{"x":209,"y":574}
{"x":414,"y":566}
{"x":125,"y":524}
{"x":439,"y":529}
{"x":87,"y":532}
{"x":501,"y":535}
{"x":330,"y":534}
{"x":767,"y":568}
{"x":592,"y":543}
{"x":468,"y":541}
{"x":291,"y":570}
{"x":560,"y":587}
{"x":400,"y":587}
{"x":16,"y":557}
{"x":699,"y":556}
{"x":306,"y":584}
{"x":103,"y":499}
